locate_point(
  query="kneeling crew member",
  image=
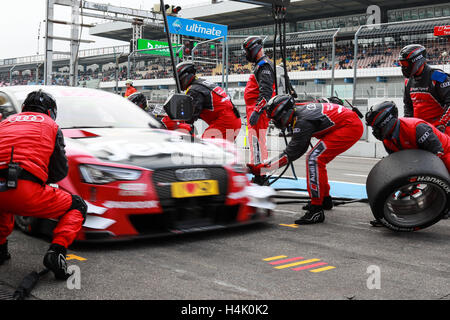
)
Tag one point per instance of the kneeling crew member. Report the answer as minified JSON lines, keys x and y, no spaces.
{"x":406,"y":133}
{"x":211,"y":104}
{"x":32,"y":154}
{"x":337,"y":129}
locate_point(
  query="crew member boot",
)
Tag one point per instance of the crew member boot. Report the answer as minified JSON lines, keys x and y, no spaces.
{"x":4,"y":254}
{"x":55,"y":261}
{"x":313,"y":215}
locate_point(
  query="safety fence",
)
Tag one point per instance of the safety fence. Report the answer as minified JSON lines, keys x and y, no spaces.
{"x":313,"y":60}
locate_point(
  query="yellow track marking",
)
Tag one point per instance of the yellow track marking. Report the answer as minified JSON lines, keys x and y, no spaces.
{"x":274,"y":258}
{"x":74,"y":257}
{"x":322,"y":269}
{"x":296,"y":263}
{"x":289,"y":225}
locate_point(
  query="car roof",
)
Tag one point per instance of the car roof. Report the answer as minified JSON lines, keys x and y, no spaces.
{"x":53,"y":90}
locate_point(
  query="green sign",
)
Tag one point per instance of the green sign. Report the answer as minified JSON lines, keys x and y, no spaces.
{"x":143,"y":44}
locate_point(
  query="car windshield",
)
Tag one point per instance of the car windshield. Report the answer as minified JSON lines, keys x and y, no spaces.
{"x":87,"y":108}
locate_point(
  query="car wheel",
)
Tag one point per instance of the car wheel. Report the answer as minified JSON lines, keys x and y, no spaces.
{"x":409,"y":190}
{"x":28,"y":225}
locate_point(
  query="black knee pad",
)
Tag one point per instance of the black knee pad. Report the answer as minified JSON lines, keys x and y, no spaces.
{"x":79,"y":204}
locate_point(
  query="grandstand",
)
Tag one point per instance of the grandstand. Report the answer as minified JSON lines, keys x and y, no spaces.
{"x":321,"y":49}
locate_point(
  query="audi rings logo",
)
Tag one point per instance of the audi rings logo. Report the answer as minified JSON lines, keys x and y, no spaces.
{"x":27,"y":118}
{"x":192,"y":174}
{"x":311,"y":107}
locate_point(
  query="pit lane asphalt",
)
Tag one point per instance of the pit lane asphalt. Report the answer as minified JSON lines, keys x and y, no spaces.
{"x":230,"y":264}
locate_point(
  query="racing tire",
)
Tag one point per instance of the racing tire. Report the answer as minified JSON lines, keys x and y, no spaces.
{"x":28,"y":225}
{"x":409,"y":190}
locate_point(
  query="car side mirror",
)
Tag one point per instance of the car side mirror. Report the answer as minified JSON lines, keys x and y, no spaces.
{"x":179,"y":107}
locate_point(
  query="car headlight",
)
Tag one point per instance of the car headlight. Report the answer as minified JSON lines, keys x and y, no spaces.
{"x":96,"y":174}
{"x":239,"y":168}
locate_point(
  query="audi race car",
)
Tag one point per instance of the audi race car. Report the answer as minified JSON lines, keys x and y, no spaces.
{"x":140,"y":180}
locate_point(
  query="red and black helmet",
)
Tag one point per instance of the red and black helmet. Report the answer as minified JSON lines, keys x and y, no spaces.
{"x":382,"y":117}
{"x":186,"y":73}
{"x":40,"y":101}
{"x":251,"y":46}
{"x":139,"y":99}
{"x":411,"y":58}
{"x":281,"y":110}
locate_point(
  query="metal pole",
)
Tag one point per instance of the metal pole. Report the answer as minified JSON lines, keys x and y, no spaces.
{"x":355,"y":63}
{"x":333,"y":61}
{"x":74,"y":47}
{"x":37,"y":72}
{"x":48,"y":63}
{"x":117,"y":70}
{"x":10,"y":75}
{"x":227,"y":68}
{"x":177,"y":58}
{"x":223,"y":63}
{"x":172,"y":58}
{"x":178,"y":53}
{"x":128,"y":63}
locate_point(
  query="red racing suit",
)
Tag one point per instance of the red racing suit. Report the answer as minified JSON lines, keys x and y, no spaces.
{"x":39,"y":150}
{"x":214,"y":106}
{"x":427,"y":97}
{"x":130,"y":90}
{"x":261,"y":85}
{"x":413,"y":133}
{"x":337,"y":129}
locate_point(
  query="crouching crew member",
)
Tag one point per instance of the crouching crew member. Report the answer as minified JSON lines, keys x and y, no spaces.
{"x":406,"y":133}
{"x":337,"y":129}
{"x":32,"y":154}
{"x":211,"y":104}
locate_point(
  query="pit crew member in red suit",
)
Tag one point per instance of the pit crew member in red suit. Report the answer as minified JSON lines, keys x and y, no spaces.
{"x":427,"y":90}
{"x":211,"y":104}
{"x":406,"y":133}
{"x":259,"y":90}
{"x":337,"y":129}
{"x":32,"y":155}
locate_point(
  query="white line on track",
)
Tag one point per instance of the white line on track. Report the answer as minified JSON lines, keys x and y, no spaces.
{"x":359,"y":184}
{"x":359,"y":158}
{"x":355,"y":175}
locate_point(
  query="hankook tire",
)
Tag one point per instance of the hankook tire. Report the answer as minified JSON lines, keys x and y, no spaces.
{"x":409,"y":190}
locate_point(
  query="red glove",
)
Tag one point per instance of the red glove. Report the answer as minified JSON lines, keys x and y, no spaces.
{"x":185,"y":127}
{"x":254,"y":117}
{"x":256,"y":168}
{"x":177,"y":125}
